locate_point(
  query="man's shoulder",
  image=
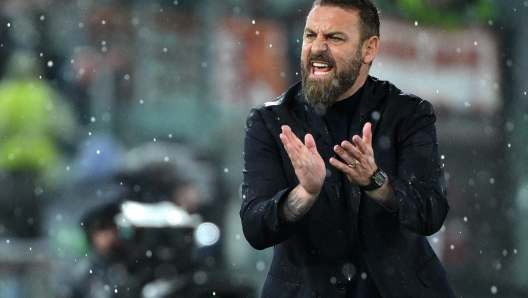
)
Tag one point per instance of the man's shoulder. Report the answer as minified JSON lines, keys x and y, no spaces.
{"x":399,"y":103}
{"x":285,"y":100}
{"x":395,"y":94}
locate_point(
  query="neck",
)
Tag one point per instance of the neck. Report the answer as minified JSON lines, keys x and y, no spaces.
{"x":360,"y":81}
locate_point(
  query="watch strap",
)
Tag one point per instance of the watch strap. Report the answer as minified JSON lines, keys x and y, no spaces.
{"x":378,"y":174}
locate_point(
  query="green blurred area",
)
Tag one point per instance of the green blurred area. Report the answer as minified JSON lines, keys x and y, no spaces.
{"x":448,"y":14}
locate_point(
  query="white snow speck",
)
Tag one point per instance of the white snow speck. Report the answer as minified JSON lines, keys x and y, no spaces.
{"x":493,"y":290}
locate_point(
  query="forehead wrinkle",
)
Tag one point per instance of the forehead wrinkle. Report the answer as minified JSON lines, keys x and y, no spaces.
{"x":332,"y":19}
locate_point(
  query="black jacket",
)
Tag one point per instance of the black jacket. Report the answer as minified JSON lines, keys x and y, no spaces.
{"x":310,"y":254}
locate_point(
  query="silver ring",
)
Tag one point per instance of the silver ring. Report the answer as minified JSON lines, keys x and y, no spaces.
{"x":354,"y":165}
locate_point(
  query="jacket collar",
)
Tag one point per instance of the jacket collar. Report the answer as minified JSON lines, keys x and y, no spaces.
{"x":369,"y":108}
{"x":310,"y":119}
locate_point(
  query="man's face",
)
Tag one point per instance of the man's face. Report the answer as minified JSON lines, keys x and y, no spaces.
{"x":331,"y":56}
{"x":107,"y":241}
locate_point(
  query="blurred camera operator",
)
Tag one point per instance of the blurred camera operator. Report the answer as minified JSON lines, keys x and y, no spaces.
{"x":104,"y":271}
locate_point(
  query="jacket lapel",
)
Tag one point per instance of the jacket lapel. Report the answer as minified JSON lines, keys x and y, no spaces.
{"x":370,"y":109}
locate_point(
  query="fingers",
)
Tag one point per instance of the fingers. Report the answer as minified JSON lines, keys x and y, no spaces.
{"x":351,"y":155}
{"x":358,"y":174}
{"x":309,"y":166}
{"x":358,"y":156}
{"x":288,"y":137}
{"x":347,"y":151}
{"x":360,"y":151}
{"x":310,"y":143}
{"x":289,"y":142}
{"x":364,"y":144}
{"x":367,"y":134}
{"x":356,"y":165}
{"x":297,"y":151}
{"x":339,"y":165}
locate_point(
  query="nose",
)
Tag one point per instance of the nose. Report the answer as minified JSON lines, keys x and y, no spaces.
{"x":319,"y":45}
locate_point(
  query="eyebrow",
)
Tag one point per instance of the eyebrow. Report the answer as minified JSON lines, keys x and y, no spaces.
{"x":329,"y":34}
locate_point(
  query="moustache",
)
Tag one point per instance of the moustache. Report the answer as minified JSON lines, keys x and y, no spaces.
{"x":321,"y":58}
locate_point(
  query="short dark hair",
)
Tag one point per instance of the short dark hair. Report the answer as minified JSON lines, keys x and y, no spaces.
{"x":368,"y":14}
{"x":99,"y":217}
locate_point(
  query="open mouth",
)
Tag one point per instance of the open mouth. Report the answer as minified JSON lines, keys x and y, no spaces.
{"x":321,"y":68}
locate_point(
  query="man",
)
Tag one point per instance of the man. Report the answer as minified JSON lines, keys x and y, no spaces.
{"x":104,"y":272}
{"x":347,"y":211}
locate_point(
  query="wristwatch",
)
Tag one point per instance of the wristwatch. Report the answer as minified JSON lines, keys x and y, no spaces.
{"x":376,"y":181}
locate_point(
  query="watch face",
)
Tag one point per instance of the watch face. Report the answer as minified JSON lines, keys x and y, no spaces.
{"x":378,"y":178}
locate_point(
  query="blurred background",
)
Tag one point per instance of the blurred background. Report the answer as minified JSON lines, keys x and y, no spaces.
{"x":141,"y":104}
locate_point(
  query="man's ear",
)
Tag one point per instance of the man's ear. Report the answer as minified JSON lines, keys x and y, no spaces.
{"x":370,"y":49}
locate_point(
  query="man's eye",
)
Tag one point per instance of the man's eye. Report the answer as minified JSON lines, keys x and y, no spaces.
{"x":335,"y":39}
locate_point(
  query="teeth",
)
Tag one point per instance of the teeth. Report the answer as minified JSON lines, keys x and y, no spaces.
{"x":320,"y":64}
{"x":320,"y":72}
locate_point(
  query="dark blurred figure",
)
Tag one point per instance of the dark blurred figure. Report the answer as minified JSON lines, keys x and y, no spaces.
{"x":152,"y":182}
{"x":161,"y":181}
{"x":104,"y":272}
{"x":161,"y":191}
{"x":175,"y":252}
{"x":130,"y":255}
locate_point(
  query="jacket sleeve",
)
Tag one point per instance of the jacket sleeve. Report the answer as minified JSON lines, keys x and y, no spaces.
{"x":264,"y":185}
{"x":420,"y":184}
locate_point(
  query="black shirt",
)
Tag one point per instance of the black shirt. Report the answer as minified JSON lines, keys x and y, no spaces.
{"x":339,"y":117}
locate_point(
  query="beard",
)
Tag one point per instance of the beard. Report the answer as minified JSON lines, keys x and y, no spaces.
{"x":325,"y":92}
